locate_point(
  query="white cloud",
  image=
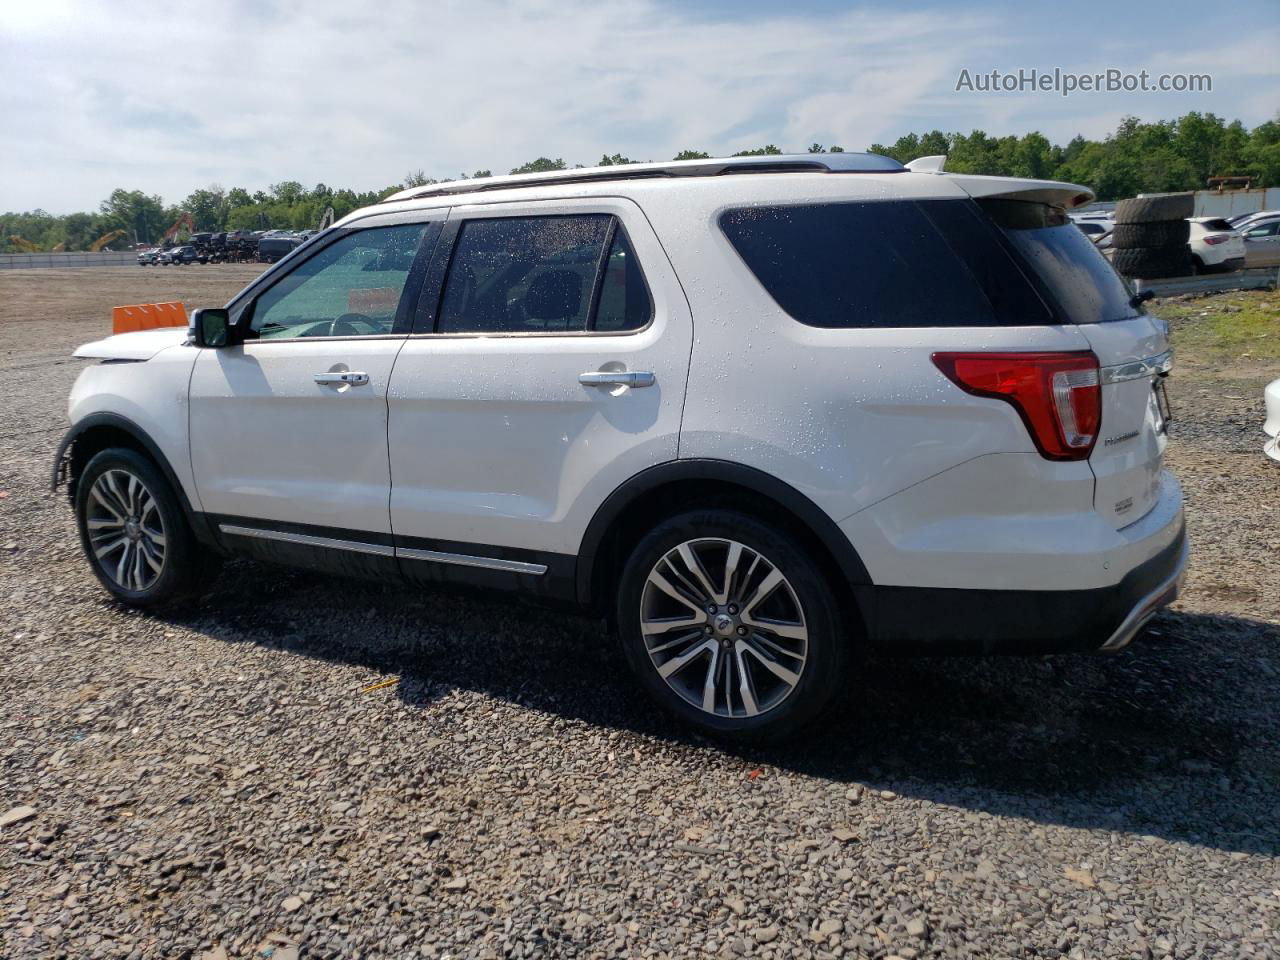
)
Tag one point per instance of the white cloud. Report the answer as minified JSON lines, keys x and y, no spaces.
{"x":169,"y":97}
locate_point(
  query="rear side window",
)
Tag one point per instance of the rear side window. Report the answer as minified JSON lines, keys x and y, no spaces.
{"x":624,"y":302}
{"x":1068,"y":268}
{"x":935,"y":263}
{"x":547,"y":274}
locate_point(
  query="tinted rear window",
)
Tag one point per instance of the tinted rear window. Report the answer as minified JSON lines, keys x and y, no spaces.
{"x":1068,"y":268}
{"x":932,"y":263}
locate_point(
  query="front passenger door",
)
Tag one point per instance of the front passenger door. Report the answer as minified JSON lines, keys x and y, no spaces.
{"x":289,"y":428}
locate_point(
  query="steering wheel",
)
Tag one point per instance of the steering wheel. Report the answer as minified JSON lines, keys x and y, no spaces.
{"x":345,"y":325}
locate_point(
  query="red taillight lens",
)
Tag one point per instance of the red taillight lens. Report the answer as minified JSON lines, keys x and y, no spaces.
{"x":1214,"y":239}
{"x":1057,"y":395}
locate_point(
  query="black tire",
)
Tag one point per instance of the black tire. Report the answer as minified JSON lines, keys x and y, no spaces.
{"x":185,"y":567}
{"x":1155,"y":208}
{"x":1153,"y":263}
{"x":805,"y":588}
{"x":1161,"y":233}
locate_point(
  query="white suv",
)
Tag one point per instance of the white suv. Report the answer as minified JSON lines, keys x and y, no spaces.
{"x":759,"y":412}
{"x":1215,"y":245}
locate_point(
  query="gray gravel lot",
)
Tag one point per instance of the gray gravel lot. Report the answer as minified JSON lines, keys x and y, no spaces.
{"x":223,"y":782}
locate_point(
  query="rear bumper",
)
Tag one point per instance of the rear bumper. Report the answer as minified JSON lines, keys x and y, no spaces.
{"x":923,"y":620}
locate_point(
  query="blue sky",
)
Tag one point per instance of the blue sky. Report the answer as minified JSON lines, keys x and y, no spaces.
{"x":170,"y":97}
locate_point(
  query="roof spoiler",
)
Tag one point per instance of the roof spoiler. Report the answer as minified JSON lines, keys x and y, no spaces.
{"x":932,"y":164}
{"x":1066,"y":195}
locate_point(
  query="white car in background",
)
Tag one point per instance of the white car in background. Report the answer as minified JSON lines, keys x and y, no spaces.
{"x":1215,"y":245}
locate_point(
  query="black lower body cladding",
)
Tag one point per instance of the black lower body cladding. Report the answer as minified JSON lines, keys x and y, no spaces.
{"x":922,"y":620}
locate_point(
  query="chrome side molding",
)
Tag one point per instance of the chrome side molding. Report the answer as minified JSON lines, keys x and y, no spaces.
{"x":307,"y":540}
{"x":464,"y":560}
{"x":385,"y":550}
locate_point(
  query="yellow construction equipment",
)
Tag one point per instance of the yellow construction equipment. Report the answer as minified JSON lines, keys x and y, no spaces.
{"x":26,"y":246}
{"x":103,"y":240}
{"x":58,"y":247}
{"x":184,"y":220}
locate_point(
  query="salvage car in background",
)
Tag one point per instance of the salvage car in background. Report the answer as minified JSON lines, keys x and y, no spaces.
{"x":182,"y":256}
{"x":1262,"y":243}
{"x":1215,"y":246}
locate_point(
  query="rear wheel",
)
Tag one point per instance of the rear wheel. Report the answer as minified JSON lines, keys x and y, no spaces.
{"x":134,"y":532}
{"x":730,"y":624}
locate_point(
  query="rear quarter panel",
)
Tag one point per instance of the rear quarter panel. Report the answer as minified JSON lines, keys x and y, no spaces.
{"x":846,"y":416}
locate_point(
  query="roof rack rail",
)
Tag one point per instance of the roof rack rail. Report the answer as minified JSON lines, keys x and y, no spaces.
{"x":775,"y":163}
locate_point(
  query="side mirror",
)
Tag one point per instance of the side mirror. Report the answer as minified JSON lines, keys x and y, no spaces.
{"x":211,"y":327}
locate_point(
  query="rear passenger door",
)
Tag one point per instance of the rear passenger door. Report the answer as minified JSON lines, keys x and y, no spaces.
{"x":547,"y":366}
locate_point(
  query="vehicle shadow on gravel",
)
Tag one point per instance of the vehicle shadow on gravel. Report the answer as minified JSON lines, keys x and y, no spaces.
{"x":1175,"y":737}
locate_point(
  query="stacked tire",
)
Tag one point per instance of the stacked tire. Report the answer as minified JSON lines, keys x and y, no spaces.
{"x":1151,"y":234}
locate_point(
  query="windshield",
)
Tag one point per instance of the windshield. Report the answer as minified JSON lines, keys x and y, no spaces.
{"x":1074,"y":275}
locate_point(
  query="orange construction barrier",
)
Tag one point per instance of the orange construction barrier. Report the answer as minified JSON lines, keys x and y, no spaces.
{"x":148,"y":316}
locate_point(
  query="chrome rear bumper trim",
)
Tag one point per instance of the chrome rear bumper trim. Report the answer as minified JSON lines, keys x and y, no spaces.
{"x":1150,"y":605}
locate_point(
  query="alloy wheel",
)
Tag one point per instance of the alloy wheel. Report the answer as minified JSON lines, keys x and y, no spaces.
{"x":125,"y":529}
{"x":724,"y":627}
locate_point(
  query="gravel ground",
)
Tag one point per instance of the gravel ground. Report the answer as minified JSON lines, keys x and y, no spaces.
{"x":302,"y":766}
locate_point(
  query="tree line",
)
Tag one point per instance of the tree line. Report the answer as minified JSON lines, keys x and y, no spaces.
{"x":1166,"y":155}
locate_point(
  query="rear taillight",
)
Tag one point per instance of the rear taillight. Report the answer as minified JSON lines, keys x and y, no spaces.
{"x":1214,"y":239}
{"x":1057,"y":394}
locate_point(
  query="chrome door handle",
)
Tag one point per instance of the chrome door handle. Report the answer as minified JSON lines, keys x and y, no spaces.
{"x":348,"y":376}
{"x":620,"y":378}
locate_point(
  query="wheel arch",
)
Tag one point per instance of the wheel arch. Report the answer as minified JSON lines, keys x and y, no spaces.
{"x":670,"y":488}
{"x":101,"y":431}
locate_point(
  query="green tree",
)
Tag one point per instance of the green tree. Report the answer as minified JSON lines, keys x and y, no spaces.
{"x":541,"y":165}
{"x":136,"y":212}
{"x":614,"y":160}
{"x":208,"y":208}
{"x":691,"y":155}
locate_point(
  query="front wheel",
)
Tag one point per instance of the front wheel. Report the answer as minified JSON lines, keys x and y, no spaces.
{"x":134,"y":532}
{"x":730,"y":624}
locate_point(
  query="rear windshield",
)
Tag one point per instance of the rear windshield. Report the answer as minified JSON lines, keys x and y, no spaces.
{"x":925,"y":263}
{"x":1068,"y":268}
{"x":1216,"y":225}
